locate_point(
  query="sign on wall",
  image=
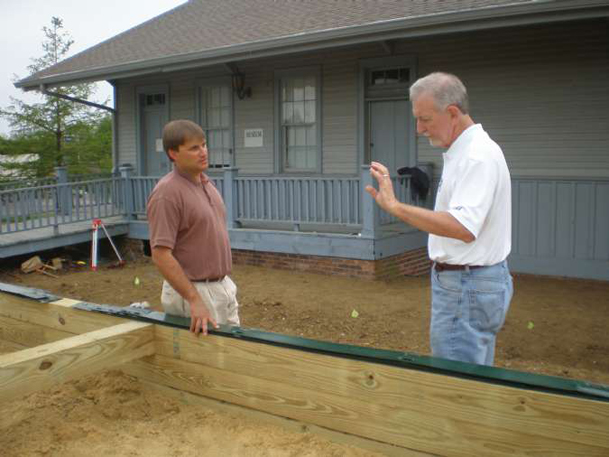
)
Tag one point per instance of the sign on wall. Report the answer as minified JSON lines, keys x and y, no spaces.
{"x":253,"y":138}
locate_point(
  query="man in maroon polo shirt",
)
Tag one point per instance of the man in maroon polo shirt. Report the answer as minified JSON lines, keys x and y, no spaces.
{"x":188,"y":236}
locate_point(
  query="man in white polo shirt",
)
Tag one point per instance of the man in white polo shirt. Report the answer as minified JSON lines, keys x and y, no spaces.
{"x":470,"y":227}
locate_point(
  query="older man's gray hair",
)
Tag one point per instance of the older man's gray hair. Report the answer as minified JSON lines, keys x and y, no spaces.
{"x":446,"y":89}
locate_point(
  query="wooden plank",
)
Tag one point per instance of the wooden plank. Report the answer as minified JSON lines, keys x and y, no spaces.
{"x":27,"y":334}
{"x":59,"y":317}
{"x":67,"y":302}
{"x":287,"y":424}
{"x":8,"y":346}
{"x":489,"y":405}
{"x":398,"y":424}
{"x":429,"y":412}
{"x":41,"y":367}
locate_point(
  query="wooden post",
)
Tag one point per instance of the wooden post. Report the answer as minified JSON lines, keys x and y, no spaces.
{"x":230,"y":196}
{"x":370,"y":210}
{"x":64,"y":197}
{"x":129,"y":205}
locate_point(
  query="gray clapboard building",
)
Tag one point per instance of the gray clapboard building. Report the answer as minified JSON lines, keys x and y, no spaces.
{"x":297,"y":96}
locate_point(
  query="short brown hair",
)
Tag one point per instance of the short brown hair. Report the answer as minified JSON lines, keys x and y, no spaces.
{"x":178,"y":132}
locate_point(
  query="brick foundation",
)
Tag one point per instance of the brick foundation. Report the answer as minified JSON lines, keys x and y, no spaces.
{"x":412,"y":263}
{"x":130,"y":249}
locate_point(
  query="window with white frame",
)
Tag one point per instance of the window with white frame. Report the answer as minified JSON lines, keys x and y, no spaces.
{"x":216,"y":123}
{"x":299,"y":121}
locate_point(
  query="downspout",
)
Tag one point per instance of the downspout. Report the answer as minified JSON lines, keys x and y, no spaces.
{"x":114,"y":129}
{"x":113,"y":111}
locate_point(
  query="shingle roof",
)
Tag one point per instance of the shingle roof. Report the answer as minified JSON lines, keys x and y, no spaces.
{"x":205,"y":25}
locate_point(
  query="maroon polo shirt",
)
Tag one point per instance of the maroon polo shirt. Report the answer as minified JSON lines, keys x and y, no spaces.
{"x":190,"y":219}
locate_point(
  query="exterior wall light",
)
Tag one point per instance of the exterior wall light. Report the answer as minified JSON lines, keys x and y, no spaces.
{"x":239,"y":86}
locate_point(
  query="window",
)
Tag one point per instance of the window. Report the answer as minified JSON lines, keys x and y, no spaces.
{"x":216,"y":123}
{"x":299,"y":122}
{"x":154,"y":99}
{"x":388,"y":76}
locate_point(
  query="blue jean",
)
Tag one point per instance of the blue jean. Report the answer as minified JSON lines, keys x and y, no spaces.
{"x":468,"y":308}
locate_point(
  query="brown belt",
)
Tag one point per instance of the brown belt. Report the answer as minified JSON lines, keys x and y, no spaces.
{"x":449,"y":267}
{"x":211,"y":279}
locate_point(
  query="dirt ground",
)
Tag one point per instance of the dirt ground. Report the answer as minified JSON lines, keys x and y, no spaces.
{"x":555,"y":326}
{"x":111,"y":414}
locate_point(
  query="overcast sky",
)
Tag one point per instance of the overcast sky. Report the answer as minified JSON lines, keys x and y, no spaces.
{"x":89,"y":22}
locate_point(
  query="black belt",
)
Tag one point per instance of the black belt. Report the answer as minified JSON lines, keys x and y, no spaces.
{"x":449,"y":267}
{"x":211,"y":279}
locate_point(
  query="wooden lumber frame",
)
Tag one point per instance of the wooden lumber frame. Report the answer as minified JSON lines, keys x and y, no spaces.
{"x":43,"y":366}
{"x":394,"y":408}
{"x":291,"y":425}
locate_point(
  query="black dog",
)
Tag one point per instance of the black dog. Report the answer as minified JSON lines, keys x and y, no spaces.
{"x":419,"y":181}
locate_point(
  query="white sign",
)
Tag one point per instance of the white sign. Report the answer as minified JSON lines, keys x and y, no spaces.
{"x":254,"y":138}
{"x":159,"y":145}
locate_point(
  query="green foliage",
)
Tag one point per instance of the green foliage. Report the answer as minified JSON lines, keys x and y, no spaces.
{"x":89,"y":147}
{"x":56,"y":132}
{"x":20,"y":155}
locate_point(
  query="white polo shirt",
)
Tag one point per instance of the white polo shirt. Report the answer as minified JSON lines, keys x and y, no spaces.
{"x":475,"y":188}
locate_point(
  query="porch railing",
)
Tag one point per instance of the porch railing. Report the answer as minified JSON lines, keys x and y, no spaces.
{"x":140,"y":187}
{"x":51,"y":205}
{"x":328,"y":201}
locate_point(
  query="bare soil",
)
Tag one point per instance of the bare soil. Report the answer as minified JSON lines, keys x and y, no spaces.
{"x":111,"y":414}
{"x":555,"y":326}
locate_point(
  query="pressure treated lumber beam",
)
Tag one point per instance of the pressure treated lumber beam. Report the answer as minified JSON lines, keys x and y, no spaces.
{"x":27,"y":334}
{"x":435,"y":431}
{"x":43,"y":366}
{"x":9,"y":346}
{"x":428,"y":396}
{"x":59,"y":316}
{"x":287,"y":424}
{"x":431,"y":412}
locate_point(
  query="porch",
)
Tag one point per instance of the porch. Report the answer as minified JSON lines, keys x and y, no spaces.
{"x":318,"y":216}
{"x":559,"y":225}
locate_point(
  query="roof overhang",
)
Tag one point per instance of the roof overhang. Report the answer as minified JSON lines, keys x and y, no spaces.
{"x":534,"y":12}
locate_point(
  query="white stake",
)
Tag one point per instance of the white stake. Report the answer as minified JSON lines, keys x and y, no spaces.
{"x":96,"y":224}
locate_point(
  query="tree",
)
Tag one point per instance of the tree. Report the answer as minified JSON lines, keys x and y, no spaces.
{"x":20,"y":156}
{"x":89,"y":147}
{"x":48,"y":128}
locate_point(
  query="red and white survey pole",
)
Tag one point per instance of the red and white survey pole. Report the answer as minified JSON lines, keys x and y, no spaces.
{"x":97,"y":223}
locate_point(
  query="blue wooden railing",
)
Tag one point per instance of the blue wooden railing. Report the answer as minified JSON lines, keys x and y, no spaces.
{"x":321,"y":201}
{"x":327,"y":201}
{"x":51,"y":205}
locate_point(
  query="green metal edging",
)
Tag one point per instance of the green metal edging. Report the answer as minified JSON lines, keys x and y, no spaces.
{"x":35,"y":294}
{"x":495,"y":375}
{"x":511,"y":378}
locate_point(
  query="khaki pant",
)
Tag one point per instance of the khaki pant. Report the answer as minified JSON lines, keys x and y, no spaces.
{"x":220,"y":296}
